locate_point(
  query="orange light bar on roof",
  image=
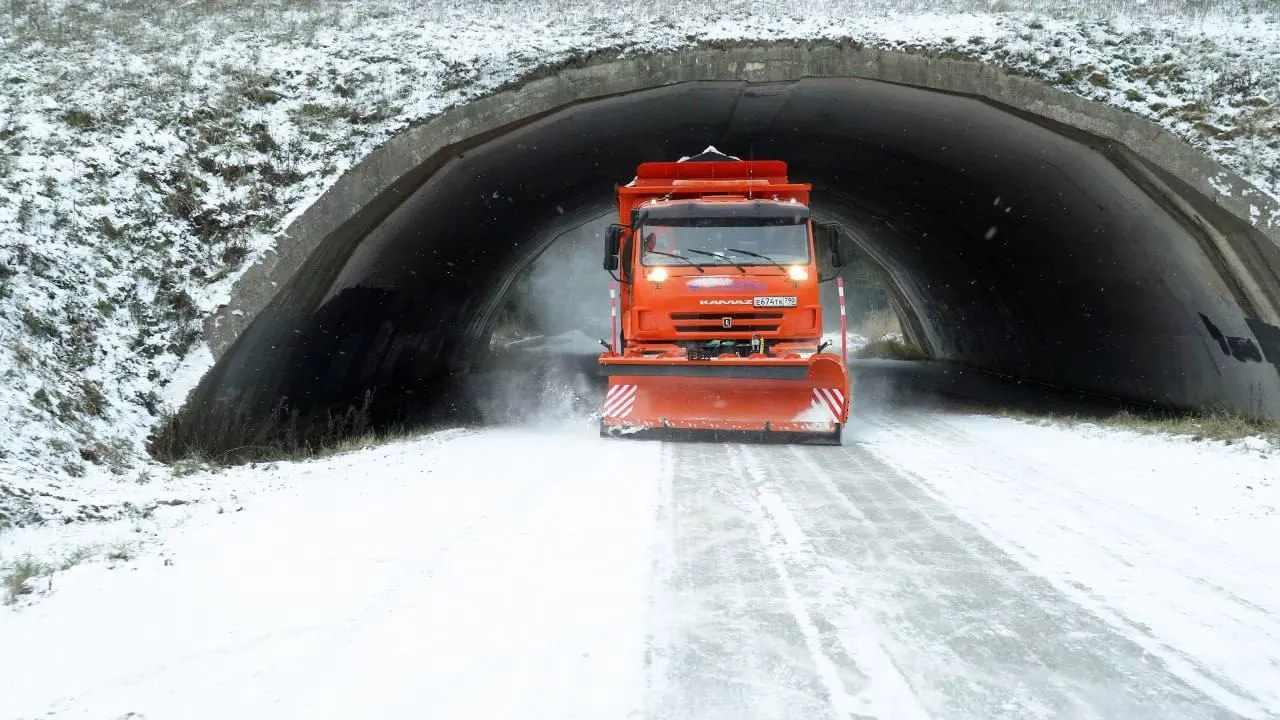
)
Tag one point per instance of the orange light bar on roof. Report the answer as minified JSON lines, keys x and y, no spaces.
{"x":740,"y":169}
{"x":735,"y":182}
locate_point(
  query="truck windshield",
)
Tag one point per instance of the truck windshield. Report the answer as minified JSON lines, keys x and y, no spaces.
{"x":784,"y":241}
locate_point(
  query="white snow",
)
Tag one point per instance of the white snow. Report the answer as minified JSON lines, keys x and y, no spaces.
{"x":492,"y":574}
{"x":890,"y":696}
{"x":773,"y":518}
{"x":573,"y":342}
{"x":1171,"y":542}
{"x":709,"y":149}
{"x":853,"y":342}
{"x":516,"y":573}
{"x":149,"y":152}
{"x":816,"y":413}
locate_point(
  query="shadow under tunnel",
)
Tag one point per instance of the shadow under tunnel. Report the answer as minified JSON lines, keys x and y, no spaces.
{"x":1012,"y":245}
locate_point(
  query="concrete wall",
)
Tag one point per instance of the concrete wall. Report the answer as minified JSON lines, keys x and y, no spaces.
{"x":1112,"y":270}
{"x":366,"y":193}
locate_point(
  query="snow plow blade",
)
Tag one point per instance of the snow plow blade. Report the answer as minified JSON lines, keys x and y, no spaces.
{"x":751,"y":399}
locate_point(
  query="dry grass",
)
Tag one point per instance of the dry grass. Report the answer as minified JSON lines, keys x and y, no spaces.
{"x":15,"y":577}
{"x":195,"y":437}
{"x":180,"y":442}
{"x":1224,"y":427}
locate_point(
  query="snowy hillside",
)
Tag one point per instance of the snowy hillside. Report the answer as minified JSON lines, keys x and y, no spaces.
{"x":150,"y":151}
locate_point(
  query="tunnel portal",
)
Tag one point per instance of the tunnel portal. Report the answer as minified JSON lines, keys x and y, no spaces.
{"x":1013,"y":243}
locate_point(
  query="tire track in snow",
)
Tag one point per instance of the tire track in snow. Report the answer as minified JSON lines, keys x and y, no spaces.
{"x":977,"y":634}
{"x":1095,"y":530}
{"x":657,"y":656}
{"x":916,"y":582}
{"x":736,"y":537}
{"x":846,"y":634}
{"x":782,"y":547}
{"x":725,"y":641}
{"x":1137,"y":530}
{"x":882,"y":600}
{"x":1131,"y":655}
{"x":1129,"y":536}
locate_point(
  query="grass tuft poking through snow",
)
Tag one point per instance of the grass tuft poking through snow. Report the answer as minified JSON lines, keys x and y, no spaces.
{"x":151,"y":151}
{"x":1227,"y":428}
{"x":283,"y":435}
{"x":17,"y":577}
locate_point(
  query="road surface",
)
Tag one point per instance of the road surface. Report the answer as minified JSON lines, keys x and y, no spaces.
{"x":937,"y":565}
{"x":825,"y":583}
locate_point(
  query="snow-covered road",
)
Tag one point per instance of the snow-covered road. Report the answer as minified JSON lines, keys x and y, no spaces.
{"x":936,"y":565}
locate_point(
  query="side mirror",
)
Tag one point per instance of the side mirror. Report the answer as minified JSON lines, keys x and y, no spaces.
{"x":834,"y":242}
{"x":830,"y":249}
{"x":842,"y":250}
{"x":612,"y":241}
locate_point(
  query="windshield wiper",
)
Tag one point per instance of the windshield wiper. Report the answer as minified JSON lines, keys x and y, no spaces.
{"x":715,"y":255}
{"x":754,"y":254}
{"x":678,"y":257}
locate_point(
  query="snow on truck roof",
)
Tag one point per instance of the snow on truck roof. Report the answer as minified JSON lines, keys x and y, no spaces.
{"x":711,"y":153}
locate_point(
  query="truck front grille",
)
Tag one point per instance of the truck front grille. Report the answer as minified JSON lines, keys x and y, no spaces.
{"x":741,"y":322}
{"x":742,"y":329}
{"x":735,"y":315}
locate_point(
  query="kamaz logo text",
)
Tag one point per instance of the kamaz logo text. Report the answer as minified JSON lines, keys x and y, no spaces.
{"x":724,"y":302}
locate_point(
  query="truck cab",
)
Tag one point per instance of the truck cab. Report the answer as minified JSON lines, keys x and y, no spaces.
{"x":719,"y":257}
{"x":721,"y":275}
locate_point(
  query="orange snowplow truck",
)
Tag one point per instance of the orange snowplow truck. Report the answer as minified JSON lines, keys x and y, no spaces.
{"x":717,"y":264}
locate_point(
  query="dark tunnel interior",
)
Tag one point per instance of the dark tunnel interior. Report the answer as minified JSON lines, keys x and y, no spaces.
{"x":1015,"y":246}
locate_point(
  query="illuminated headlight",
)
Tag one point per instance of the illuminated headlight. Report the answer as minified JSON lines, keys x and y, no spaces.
{"x":657,"y":275}
{"x":797,"y":273}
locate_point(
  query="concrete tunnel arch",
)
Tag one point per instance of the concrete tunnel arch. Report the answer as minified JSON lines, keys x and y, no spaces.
{"x":369,"y":285}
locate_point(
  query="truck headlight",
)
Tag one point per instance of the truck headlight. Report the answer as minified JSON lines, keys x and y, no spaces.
{"x":657,"y":274}
{"x":797,"y":273}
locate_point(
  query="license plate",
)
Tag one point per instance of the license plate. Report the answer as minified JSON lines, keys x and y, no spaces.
{"x":776,"y":301}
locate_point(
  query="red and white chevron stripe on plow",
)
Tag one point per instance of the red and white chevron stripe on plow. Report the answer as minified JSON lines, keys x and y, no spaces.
{"x":619,"y":401}
{"x":832,"y":399}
